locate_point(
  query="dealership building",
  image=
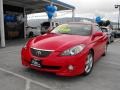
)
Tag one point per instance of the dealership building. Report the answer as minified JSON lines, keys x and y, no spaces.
{"x":13,"y":15}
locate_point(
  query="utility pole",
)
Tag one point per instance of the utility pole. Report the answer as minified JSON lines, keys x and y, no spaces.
{"x":118,"y":6}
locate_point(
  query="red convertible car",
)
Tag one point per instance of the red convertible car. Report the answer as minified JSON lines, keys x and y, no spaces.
{"x":68,"y":50}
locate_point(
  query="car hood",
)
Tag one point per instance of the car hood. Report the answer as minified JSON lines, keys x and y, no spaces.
{"x":58,"y":42}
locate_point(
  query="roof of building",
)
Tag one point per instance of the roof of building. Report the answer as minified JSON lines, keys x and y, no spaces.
{"x":36,"y":6}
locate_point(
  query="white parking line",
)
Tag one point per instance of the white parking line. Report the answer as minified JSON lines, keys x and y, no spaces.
{"x":27,"y":85}
{"x":27,"y":79}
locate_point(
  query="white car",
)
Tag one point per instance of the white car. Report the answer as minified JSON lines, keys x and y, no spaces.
{"x":32,"y":31}
{"x":45,"y":26}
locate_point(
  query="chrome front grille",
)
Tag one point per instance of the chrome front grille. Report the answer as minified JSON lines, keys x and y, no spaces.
{"x":40,"y":52}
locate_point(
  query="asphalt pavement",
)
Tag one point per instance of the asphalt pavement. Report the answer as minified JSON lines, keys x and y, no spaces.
{"x":13,"y":76}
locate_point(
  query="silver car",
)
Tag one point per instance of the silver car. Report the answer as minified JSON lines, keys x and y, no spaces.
{"x":109,"y":33}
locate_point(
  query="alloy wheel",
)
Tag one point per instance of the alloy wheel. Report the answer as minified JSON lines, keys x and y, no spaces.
{"x":89,"y":63}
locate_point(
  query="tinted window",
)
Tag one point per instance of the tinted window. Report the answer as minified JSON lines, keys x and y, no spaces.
{"x":74,"y":29}
{"x":46,"y":24}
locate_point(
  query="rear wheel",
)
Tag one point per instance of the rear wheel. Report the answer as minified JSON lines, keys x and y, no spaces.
{"x":89,"y":64}
{"x":109,"y":40}
{"x":112,"y":39}
{"x":105,"y":50}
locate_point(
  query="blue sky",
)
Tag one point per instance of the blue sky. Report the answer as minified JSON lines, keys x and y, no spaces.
{"x":91,"y":9}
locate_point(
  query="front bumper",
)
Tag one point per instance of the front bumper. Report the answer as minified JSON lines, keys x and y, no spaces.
{"x":57,"y":64}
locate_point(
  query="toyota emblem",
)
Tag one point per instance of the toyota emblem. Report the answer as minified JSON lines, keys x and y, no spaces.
{"x":38,"y":53}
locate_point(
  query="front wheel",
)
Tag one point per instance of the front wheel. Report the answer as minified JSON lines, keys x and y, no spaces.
{"x":31,"y":34}
{"x":89,"y":64}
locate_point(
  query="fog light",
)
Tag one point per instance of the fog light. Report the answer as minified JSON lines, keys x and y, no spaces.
{"x":70,"y":67}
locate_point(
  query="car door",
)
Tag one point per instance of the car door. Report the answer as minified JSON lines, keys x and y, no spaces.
{"x":99,"y":43}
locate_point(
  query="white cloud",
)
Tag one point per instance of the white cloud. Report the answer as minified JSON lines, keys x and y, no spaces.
{"x":104,"y":8}
{"x":86,"y":6}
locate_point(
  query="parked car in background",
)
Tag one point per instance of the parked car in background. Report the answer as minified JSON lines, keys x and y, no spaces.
{"x":68,"y":50}
{"x":46,"y":25}
{"x":116,"y":33}
{"x":32,"y":31}
{"x":109,"y":32}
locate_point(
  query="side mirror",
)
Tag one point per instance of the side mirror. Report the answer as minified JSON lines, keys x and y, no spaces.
{"x":98,"y":34}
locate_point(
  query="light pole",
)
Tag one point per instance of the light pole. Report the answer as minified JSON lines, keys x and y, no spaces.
{"x":118,"y":6}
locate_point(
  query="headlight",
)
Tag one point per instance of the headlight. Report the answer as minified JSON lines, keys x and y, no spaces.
{"x":73,"y":51}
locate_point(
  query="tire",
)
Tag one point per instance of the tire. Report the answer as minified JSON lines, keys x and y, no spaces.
{"x":31,"y":34}
{"x":89,"y":64}
{"x":112,"y":39}
{"x":109,"y":40}
{"x":105,"y":50}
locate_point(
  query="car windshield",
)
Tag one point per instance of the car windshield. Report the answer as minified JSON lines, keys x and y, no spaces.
{"x":73,"y":29}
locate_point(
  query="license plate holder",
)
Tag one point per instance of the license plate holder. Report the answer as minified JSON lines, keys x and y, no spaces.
{"x":36,"y":63}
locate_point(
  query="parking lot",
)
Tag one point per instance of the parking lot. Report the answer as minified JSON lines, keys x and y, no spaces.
{"x":13,"y":76}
